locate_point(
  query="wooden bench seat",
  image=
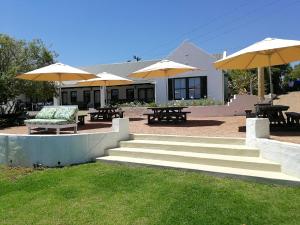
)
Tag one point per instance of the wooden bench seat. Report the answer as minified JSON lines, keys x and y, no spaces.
{"x":166,"y":116}
{"x":110,"y":115}
{"x":293,"y":118}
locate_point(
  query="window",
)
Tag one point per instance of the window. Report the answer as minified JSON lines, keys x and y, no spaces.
{"x":187,"y":88}
{"x":64,"y":96}
{"x":146,"y":94}
{"x":96,"y":98}
{"x":73,"y":97}
{"x":130,"y":94}
{"x":114,"y":94}
{"x":194,"y":88}
{"x":180,"y":88}
{"x":86,"y":97}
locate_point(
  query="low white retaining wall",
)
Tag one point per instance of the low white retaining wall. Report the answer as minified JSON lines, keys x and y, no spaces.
{"x":54,"y":150}
{"x":287,"y":154}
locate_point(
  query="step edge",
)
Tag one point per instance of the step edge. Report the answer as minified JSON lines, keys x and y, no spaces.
{"x":178,"y":143}
{"x":191,"y":154}
{"x":289,"y":180}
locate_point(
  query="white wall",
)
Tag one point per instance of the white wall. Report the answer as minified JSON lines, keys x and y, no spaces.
{"x":190,"y":54}
{"x":286,"y":154}
{"x":26,"y":150}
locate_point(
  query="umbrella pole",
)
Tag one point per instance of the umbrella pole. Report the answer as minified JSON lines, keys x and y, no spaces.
{"x":261,"y":84}
{"x":60,"y":100}
{"x":270,"y":77}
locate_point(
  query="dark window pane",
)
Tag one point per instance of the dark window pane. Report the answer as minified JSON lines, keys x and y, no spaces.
{"x":180,"y":88}
{"x":86,"y":97}
{"x":64,"y":98}
{"x":194,"y":88}
{"x":130,"y":94}
{"x":114,"y":94}
{"x":73,"y":97}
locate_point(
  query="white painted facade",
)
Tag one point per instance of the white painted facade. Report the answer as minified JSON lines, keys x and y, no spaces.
{"x":189,"y":54}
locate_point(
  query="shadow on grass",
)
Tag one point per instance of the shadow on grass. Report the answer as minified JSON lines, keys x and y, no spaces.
{"x":189,"y":123}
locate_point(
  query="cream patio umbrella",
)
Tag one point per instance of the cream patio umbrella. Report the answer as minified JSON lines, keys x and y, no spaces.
{"x":56,"y":72}
{"x":162,"y":69}
{"x":268,"y":52}
{"x":103,"y":80}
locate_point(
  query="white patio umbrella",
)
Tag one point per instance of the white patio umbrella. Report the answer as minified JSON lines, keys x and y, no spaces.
{"x":103,"y":80}
{"x":268,"y":52}
{"x":56,"y":72}
{"x":162,"y":69}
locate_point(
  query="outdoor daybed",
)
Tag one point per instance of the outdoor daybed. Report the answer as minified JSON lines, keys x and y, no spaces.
{"x":55,"y":117}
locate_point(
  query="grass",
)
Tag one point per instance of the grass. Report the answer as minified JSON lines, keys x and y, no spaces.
{"x":116,"y":194}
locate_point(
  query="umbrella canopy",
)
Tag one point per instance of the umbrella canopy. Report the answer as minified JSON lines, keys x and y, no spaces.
{"x":268,"y":52}
{"x":105,"y":79}
{"x":56,"y":72}
{"x":164,"y":68}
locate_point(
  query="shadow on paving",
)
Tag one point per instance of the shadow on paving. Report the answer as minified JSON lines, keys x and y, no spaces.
{"x":136,"y":119}
{"x":188,"y":123}
{"x":278,"y":131}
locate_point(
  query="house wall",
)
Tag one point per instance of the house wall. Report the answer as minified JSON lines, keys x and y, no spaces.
{"x":190,"y":54}
{"x":122,"y":92}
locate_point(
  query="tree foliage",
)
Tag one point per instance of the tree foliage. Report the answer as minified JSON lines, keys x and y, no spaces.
{"x":19,"y":56}
{"x":242,"y":81}
{"x":295,"y":73}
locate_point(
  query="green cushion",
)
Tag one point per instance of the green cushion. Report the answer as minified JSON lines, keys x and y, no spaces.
{"x":46,"y":113}
{"x":47,"y":122}
{"x":66,"y":113}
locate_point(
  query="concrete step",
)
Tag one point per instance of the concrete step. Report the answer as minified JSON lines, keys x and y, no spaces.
{"x":223,"y":149}
{"x":265,"y":176}
{"x":189,"y":139}
{"x":242,"y":162}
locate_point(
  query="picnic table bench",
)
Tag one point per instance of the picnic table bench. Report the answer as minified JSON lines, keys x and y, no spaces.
{"x":106,"y":113}
{"x":293,"y":118}
{"x":273,"y":112}
{"x":166,"y":114}
{"x":81,"y":118}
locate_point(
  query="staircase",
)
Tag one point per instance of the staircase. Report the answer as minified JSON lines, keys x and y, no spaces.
{"x":215,"y":155}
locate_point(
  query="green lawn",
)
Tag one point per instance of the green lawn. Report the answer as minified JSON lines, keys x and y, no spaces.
{"x":113,"y":194}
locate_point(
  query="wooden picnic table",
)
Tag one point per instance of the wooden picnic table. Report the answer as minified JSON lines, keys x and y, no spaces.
{"x":81,"y":117}
{"x":167,"y":114}
{"x":273,"y":112}
{"x":106,"y":113}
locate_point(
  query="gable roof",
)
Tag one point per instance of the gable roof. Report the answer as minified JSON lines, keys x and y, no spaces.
{"x":119,"y":69}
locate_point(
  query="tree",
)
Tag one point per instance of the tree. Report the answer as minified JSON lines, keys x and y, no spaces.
{"x":277,"y":72}
{"x":16,"y":57}
{"x":295,"y":73}
{"x":242,"y":81}
{"x":135,"y":58}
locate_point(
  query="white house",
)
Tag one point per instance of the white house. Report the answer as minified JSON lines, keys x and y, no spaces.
{"x":206,"y":82}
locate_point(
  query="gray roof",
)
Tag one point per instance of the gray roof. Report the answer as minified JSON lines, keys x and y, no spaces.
{"x":120,"y":69}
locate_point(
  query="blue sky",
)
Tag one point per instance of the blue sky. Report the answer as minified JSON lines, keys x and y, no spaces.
{"x":111,"y":31}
